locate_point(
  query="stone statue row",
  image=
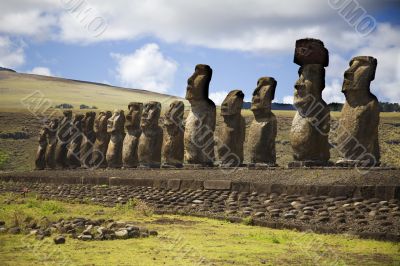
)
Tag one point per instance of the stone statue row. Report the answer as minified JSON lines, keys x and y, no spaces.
{"x":137,"y":140}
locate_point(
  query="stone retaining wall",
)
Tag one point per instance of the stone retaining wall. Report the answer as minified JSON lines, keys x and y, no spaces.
{"x":384,"y":184}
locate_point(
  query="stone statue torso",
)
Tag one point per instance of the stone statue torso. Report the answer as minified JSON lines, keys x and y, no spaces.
{"x":261,"y":140}
{"x":199,"y":133}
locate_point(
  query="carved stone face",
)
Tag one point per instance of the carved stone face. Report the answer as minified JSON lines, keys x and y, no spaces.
{"x":134,"y":115}
{"x":233,"y":103}
{"x":151,"y":114}
{"x":174,"y":115}
{"x":263,"y":94}
{"x":309,"y":86}
{"x":77,"y":123}
{"x":198,"y":83}
{"x":100,"y":124}
{"x":88,"y":121}
{"x":360,"y":74}
{"x":53,"y":125}
{"x":116,"y":122}
{"x":68,"y":114}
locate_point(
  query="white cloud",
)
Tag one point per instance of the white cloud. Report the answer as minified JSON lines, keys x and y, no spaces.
{"x":333,"y":92}
{"x":252,"y":25}
{"x":44,"y":71}
{"x":218,"y":96}
{"x":11,"y":54}
{"x":288,"y":99}
{"x":147,"y":68}
{"x":32,"y":23}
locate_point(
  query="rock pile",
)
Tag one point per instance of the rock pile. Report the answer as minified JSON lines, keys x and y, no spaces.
{"x":78,"y":228}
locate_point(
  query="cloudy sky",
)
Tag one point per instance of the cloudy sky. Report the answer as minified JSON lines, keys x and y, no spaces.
{"x":155,"y":44}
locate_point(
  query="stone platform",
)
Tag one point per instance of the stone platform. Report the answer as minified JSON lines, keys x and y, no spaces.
{"x":382,"y":183}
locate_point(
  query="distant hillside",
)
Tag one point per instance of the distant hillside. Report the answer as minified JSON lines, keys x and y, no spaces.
{"x":384,"y":107}
{"x":16,"y":86}
{"x":7,"y":69}
{"x":275,"y":106}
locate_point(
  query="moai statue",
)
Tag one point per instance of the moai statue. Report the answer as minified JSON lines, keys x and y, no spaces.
{"x":173,"y":146}
{"x":63,"y":139}
{"x":40,"y":160}
{"x":200,"y":123}
{"x":311,"y":124}
{"x":102,"y":140}
{"x":150,"y":141}
{"x":263,"y":129}
{"x":88,"y":139}
{"x":358,"y":126}
{"x":51,"y":144}
{"x":74,"y":147}
{"x":232,"y":134}
{"x":115,"y":127}
{"x":131,"y":141}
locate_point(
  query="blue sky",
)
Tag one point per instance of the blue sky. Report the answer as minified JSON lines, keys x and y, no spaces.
{"x":155,"y":44}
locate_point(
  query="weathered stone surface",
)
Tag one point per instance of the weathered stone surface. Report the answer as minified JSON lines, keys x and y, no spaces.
{"x":59,"y":240}
{"x":88,"y":139}
{"x":40,"y":159}
{"x":133,"y":131}
{"x":63,"y":138}
{"x":115,"y":127}
{"x":173,"y":144}
{"x":74,"y":147}
{"x":358,"y":126}
{"x":233,"y":127}
{"x":311,"y":124}
{"x":150,"y":141}
{"x":310,"y":51}
{"x":14,"y":230}
{"x":51,"y":144}
{"x":102,"y":140}
{"x":217,"y":184}
{"x":200,"y":123}
{"x":263,"y":129}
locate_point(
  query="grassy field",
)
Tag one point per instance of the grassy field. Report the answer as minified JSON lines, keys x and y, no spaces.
{"x":182,"y":240}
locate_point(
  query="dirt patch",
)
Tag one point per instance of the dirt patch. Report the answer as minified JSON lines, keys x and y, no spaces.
{"x":173,"y":221}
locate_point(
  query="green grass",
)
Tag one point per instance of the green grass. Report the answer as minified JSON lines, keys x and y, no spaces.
{"x":3,"y":159}
{"x":182,"y":240}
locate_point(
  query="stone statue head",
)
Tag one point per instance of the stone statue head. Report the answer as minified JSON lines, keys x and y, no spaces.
{"x":174,"y":115}
{"x":116,"y":122}
{"x":198,"y":83}
{"x":309,"y":86}
{"x":88,"y":122}
{"x":76,"y":128}
{"x":360,"y":74}
{"x":53,"y":125}
{"x":151,"y":115}
{"x":68,"y":114}
{"x":134,"y":115}
{"x":233,"y":103}
{"x":100,"y":123}
{"x":263,"y":94}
